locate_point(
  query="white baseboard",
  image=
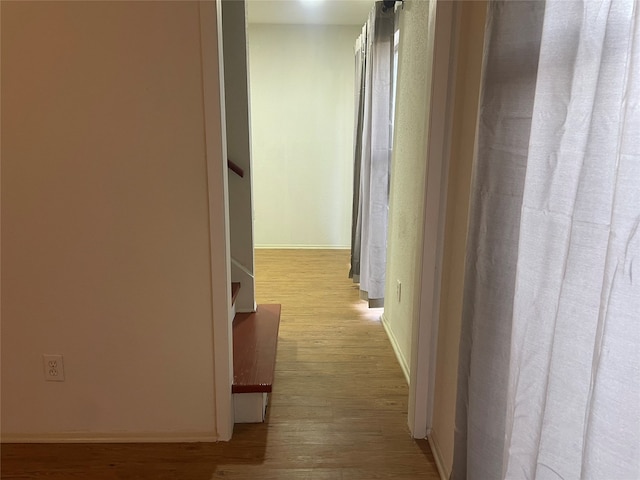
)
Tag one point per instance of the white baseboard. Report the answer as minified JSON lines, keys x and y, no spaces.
{"x":83,"y":437}
{"x":396,"y":348}
{"x":437,"y":455}
{"x":301,"y":247}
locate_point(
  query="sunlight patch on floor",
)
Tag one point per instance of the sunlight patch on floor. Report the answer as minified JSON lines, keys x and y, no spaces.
{"x":366,"y":313}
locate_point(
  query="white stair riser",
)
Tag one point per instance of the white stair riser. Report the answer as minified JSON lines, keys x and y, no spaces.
{"x":250,"y":407}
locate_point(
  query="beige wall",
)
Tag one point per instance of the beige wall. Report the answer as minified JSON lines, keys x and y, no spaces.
{"x":105,"y":222}
{"x":406,"y":216}
{"x":302,"y":111}
{"x":469,"y":63}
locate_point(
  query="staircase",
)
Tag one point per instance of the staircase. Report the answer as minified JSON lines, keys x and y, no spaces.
{"x":255,"y":341}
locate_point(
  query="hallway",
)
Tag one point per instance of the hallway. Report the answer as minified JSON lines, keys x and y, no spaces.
{"x":339,"y":404}
{"x":338,"y":409}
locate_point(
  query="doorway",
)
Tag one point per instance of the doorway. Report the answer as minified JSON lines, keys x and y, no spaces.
{"x":412,"y":298}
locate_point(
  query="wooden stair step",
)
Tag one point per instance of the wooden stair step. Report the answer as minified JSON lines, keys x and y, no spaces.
{"x":255,"y":340}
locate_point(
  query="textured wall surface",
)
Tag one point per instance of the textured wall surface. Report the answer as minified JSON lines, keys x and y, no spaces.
{"x":408,"y":172}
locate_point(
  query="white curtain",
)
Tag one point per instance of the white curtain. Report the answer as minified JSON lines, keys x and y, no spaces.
{"x":549,"y":384}
{"x":372,"y":153}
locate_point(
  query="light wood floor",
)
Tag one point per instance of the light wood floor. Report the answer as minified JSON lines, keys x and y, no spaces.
{"x":338,"y":409}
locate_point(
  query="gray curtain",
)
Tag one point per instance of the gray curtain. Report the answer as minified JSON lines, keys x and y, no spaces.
{"x":372,"y":153}
{"x":356,"y":226}
{"x":510,"y":66}
{"x":549,"y":372}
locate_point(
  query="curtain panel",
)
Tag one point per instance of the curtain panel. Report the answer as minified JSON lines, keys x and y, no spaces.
{"x":549,"y":380}
{"x":372,"y":153}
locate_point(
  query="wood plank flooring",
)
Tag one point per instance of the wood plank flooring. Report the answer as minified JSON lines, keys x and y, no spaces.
{"x":338,"y":408}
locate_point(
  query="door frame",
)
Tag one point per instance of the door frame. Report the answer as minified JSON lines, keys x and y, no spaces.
{"x":218,"y":193}
{"x":424,"y":339}
{"x":438,"y":138}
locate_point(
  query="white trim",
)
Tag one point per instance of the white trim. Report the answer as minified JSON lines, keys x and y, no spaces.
{"x":217,"y":188}
{"x":250,"y":407}
{"x":396,"y":348}
{"x":81,"y":437}
{"x":301,"y":247}
{"x":438,"y":138}
{"x":437,"y":456}
{"x":245,"y":301}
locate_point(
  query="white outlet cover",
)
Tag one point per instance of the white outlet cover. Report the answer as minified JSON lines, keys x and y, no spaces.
{"x":53,"y":368}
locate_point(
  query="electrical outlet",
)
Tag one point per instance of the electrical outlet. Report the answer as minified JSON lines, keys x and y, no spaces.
{"x":53,"y":368}
{"x":399,"y":290}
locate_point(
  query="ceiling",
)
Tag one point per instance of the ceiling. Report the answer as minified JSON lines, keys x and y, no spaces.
{"x":309,"y":12}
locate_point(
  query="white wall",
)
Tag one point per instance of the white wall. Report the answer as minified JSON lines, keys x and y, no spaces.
{"x":406,"y":216}
{"x":302,"y":111}
{"x":105,"y":222}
